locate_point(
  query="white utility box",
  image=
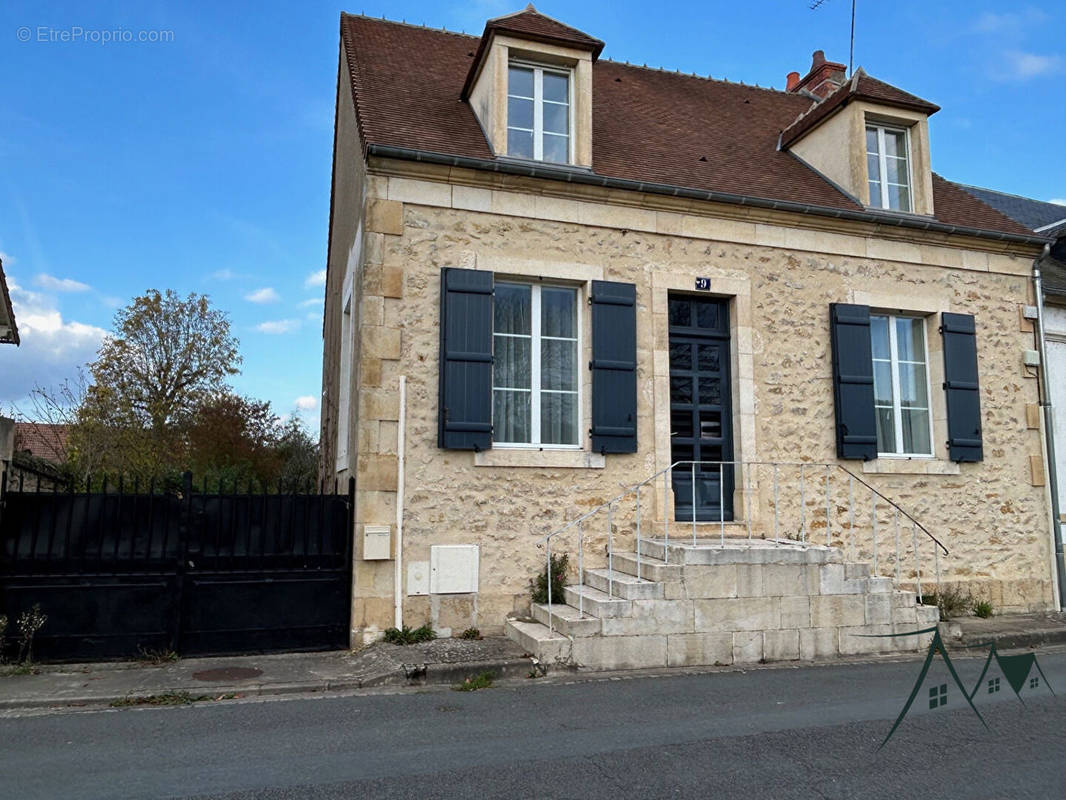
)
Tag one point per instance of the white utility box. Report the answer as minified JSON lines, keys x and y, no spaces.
{"x":453,"y":568}
{"x":377,"y":543}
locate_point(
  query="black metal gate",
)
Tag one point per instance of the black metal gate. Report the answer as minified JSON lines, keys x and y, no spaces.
{"x":122,"y":574}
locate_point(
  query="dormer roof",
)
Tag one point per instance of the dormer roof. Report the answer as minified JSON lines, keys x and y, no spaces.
{"x":536,"y":27}
{"x":652,"y":129}
{"x":9,"y":332}
{"x":859,"y":86}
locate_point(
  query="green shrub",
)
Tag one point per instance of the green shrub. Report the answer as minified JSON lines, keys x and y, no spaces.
{"x":538,"y":584}
{"x":952,"y":601}
{"x":470,"y":633}
{"x":406,"y":635}
{"x":982,"y":609}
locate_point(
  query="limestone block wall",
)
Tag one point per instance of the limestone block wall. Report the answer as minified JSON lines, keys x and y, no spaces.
{"x":779,"y":279}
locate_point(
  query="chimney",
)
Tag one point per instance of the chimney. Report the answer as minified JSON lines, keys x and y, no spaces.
{"x":823,"y":79}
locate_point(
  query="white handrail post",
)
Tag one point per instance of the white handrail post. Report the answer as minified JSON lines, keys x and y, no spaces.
{"x":874,"y":497}
{"x":851,"y":516}
{"x":693,"y":503}
{"x":721,"y":502}
{"x":897,"y":549}
{"x":551,"y":626}
{"x":638,"y":533}
{"x":581,"y":567}
{"x":777,"y":538}
{"x":803,"y":507}
{"x":917,"y":562}
{"x":747,"y":497}
{"x":936,"y":560}
{"x":666,"y":516}
{"x":828,"y":540}
{"x":610,"y":550}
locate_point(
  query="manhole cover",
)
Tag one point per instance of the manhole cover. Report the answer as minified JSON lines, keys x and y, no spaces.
{"x":227,"y":674}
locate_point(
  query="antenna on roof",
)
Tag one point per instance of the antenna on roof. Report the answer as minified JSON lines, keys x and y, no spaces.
{"x":816,"y":4}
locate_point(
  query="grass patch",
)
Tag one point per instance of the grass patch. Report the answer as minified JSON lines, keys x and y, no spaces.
{"x":982,"y":609}
{"x":952,"y":602}
{"x":19,"y":669}
{"x":406,"y":635}
{"x":164,"y":699}
{"x":471,"y":634}
{"x":157,"y":658}
{"x":483,"y":680}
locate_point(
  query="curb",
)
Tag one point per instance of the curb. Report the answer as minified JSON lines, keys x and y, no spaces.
{"x":411,"y":675}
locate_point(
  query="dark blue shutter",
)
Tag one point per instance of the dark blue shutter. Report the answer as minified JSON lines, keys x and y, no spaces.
{"x":465,"y":403}
{"x":961,"y":387}
{"x":853,"y":381}
{"x":614,"y":367}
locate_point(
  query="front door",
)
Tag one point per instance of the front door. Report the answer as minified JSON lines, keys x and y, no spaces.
{"x":701,"y":427}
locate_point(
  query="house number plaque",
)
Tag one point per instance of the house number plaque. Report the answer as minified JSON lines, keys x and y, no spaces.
{"x":703,"y":284}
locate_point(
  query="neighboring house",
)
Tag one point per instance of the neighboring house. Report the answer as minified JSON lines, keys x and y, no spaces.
{"x":39,"y":450}
{"x":9,"y":331}
{"x":1046,"y":219}
{"x":587,"y":271}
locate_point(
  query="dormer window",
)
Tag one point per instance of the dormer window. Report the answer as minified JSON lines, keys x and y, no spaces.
{"x":888,"y":167}
{"x":538,"y":113}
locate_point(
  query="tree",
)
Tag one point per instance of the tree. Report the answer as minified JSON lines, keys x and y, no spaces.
{"x":165,"y":356}
{"x":232,"y":439}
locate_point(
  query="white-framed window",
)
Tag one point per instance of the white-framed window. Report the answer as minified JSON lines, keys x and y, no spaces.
{"x":888,"y":167}
{"x":538,"y":112}
{"x":535,"y":387}
{"x":901,"y":385}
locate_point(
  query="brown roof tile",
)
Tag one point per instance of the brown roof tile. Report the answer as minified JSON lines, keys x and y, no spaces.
{"x":532,"y":24}
{"x":648,"y":125}
{"x":42,"y":440}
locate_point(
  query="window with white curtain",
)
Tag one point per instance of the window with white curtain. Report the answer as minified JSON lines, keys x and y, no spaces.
{"x":535,"y":396}
{"x":901,"y":385}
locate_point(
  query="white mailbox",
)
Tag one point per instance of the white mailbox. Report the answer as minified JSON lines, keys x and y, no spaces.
{"x":453,"y":568}
{"x":377,"y":543}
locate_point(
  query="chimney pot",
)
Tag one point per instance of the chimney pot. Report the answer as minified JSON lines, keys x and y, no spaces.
{"x":792,"y":81}
{"x":817,"y":59}
{"x":823,"y":78}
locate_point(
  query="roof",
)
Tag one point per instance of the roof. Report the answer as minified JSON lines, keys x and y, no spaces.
{"x":648,"y":125}
{"x":859,"y":87}
{"x":1033,"y":214}
{"x":42,"y":440}
{"x":530,"y":24}
{"x":9,"y":331}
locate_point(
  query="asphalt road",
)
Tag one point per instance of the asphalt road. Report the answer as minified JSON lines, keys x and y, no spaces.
{"x":765,"y":733}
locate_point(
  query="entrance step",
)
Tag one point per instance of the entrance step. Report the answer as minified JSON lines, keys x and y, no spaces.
{"x":754,"y":551}
{"x":651,"y":568}
{"x":567,"y":620}
{"x":593,"y":601}
{"x":624,"y":585}
{"x":548,"y":647}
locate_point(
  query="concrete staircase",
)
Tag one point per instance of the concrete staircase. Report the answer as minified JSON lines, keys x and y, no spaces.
{"x":742,"y":602}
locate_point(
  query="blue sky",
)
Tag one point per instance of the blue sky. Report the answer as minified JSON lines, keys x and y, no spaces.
{"x":202,"y":163}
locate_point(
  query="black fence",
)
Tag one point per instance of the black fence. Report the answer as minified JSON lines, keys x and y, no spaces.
{"x":123,"y":573}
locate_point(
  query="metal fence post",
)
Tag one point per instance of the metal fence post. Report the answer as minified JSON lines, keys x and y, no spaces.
{"x":693,"y":503}
{"x":828,"y":539}
{"x":638,"y":533}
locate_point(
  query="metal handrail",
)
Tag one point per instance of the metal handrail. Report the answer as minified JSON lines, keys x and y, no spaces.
{"x":633,"y":489}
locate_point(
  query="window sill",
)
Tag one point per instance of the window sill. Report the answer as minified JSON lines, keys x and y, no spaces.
{"x":553,"y":459}
{"x":910,"y":466}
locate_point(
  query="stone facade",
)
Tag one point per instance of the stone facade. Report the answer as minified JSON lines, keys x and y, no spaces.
{"x":779,"y":273}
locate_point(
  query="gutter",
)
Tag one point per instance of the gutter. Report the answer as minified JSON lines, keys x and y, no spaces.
{"x":589,"y":178}
{"x":1049,"y":433}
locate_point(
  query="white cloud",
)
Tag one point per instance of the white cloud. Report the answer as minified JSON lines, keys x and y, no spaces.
{"x":314,"y":301}
{"x":1059,"y":201}
{"x":54,"y":284}
{"x":314,"y":316}
{"x":306,"y":402}
{"x":52,"y":350}
{"x":224,"y":275}
{"x":1010,"y":22}
{"x":315,"y":279}
{"x":278,"y":326}
{"x":264,"y":295}
{"x":1020,"y":66}
{"x":7,"y":259}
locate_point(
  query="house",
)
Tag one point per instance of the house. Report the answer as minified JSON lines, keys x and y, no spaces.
{"x":568,"y":291}
{"x":38,"y":451}
{"x":9,"y":331}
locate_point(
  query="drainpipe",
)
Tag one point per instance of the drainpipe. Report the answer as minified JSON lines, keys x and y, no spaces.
{"x":1049,"y":432}
{"x":401,"y":437}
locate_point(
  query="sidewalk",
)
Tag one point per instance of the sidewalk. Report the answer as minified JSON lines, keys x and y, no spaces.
{"x":443,"y":661}
{"x":1009,"y":631}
